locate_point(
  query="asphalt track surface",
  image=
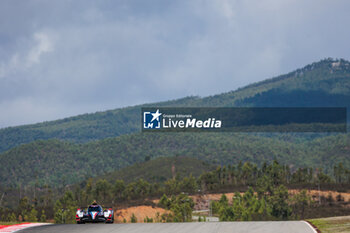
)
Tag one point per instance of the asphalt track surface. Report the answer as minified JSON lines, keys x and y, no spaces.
{"x":198,"y":227}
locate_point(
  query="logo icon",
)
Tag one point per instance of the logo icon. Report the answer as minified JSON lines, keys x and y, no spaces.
{"x":151,"y":120}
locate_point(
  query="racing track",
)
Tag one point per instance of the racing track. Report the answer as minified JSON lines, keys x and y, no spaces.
{"x":197,"y":227}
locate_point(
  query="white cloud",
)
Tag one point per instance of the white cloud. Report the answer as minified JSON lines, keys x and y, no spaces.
{"x":23,"y":59}
{"x":43,"y":45}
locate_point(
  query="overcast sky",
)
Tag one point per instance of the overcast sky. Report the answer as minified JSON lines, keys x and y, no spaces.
{"x":63,"y":58}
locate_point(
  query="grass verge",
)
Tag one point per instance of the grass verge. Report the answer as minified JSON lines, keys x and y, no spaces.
{"x":9,"y":223}
{"x":333,"y":224}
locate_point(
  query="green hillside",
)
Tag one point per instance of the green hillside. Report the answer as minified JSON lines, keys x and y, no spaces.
{"x":160,"y":169}
{"x":90,"y":145}
{"x":324,"y":83}
{"x":59,"y":163}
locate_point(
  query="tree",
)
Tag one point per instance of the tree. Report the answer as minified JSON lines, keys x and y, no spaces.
{"x":171,"y":186}
{"x":70,"y":207}
{"x":237,"y":204}
{"x":102,"y":190}
{"x":148,"y":220}
{"x":300,"y":202}
{"x":339,"y":172}
{"x":58,"y":210}
{"x":65,"y":209}
{"x":43,"y":216}
{"x":142,"y":188}
{"x":279,"y":203}
{"x":78,"y":195}
{"x":264,"y":186}
{"x":223,"y":200}
{"x":181,"y":205}
{"x":133,"y":218}
{"x":189,"y":184}
{"x":88,"y":191}
{"x":323,"y":178}
{"x":118,"y":189}
{"x":32,"y":216}
{"x":182,"y":212}
{"x":13,"y":218}
{"x":24,"y":207}
{"x":164,"y":202}
{"x":263,"y":211}
{"x":226,"y":213}
{"x":250,"y":205}
{"x":275,"y":171}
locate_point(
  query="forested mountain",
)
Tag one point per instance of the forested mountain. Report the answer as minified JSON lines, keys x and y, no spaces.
{"x":160,"y":169}
{"x":58,"y":163}
{"x":324,"y":83}
{"x":90,"y":147}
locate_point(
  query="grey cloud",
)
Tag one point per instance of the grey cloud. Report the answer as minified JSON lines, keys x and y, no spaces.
{"x":61,"y":58}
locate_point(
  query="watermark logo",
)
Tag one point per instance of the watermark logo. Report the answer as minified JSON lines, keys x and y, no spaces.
{"x":241,"y":119}
{"x":152,"y":120}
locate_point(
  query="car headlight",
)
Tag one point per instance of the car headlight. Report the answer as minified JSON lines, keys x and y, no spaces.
{"x":106,"y":214}
{"x":80,"y":214}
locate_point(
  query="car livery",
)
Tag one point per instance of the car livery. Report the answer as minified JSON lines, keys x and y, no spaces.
{"x":94,"y":214}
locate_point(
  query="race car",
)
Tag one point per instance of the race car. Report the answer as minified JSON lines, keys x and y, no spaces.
{"x":94,"y":214}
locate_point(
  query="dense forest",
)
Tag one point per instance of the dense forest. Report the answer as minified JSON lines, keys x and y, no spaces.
{"x":160,"y":169}
{"x":323,"y":83}
{"x":56,"y":163}
{"x":266,"y":194}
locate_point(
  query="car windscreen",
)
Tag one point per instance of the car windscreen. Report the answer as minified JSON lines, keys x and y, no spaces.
{"x":94,"y":208}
